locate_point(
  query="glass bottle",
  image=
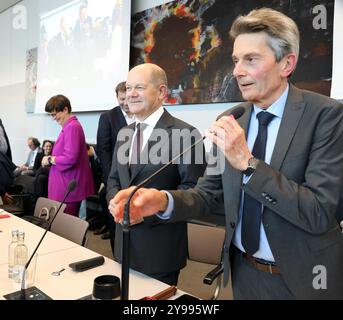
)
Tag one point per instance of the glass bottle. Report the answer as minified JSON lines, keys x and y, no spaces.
{"x":11,"y":248}
{"x":20,"y":257}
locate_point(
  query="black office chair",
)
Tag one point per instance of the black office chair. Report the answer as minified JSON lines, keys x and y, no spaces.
{"x":21,"y":201}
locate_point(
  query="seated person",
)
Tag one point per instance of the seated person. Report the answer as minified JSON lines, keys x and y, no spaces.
{"x":35,"y":182}
{"x":42,"y":173}
{"x":34,"y":158}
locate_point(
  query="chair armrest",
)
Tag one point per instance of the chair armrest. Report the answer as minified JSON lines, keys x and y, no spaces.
{"x":213,"y":274}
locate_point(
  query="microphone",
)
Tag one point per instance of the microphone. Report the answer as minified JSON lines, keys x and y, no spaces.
{"x":71,"y":186}
{"x":237,"y":113}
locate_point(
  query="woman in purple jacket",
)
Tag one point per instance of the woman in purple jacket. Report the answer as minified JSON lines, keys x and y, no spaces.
{"x":69,"y":159}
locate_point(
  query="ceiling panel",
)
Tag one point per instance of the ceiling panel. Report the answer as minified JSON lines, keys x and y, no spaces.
{"x":5,"y":4}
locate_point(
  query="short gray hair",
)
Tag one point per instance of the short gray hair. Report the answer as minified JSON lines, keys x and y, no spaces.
{"x":282,"y":31}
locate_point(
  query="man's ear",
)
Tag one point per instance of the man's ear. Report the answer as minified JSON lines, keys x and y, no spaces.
{"x":288,"y":64}
{"x":163,"y":91}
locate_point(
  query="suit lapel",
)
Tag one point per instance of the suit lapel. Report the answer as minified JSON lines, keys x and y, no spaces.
{"x":164,"y":123}
{"x":117,"y":119}
{"x":290,"y":120}
{"x":123,"y":169}
{"x":293,"y":112}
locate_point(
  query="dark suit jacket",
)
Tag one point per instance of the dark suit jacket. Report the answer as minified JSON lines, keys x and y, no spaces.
{"x":110,"y":123}
{"x":301,"y":191}
{"x":8,"y":153}
{"x":6,"y":173}
{"x":38,"y":161}
{"x":155,"y":246}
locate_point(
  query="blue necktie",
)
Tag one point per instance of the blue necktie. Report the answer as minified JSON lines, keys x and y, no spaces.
{"x":252,"y":209}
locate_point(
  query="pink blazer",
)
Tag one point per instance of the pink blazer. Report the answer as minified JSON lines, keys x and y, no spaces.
{"x":71,"y":163}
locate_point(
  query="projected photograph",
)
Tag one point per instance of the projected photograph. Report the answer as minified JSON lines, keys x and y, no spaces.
{"x":190,"y":40}
{"x":84,"y":51}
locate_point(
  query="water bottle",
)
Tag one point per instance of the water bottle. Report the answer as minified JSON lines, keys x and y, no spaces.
{"x":11,"y":248}
{"x":20,"y":257}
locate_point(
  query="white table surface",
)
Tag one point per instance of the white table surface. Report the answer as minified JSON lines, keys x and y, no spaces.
{"x":56,"y":253}
{"x":33,"y":233}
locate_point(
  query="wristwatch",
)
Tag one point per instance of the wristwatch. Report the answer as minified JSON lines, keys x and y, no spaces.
{"x":252,"y":164}
{"x":49,"y":160}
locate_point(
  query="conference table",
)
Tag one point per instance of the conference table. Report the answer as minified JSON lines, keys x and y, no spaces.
{"x":56,"y":253}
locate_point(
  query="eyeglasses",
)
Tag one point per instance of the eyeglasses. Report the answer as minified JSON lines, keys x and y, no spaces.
{"x":52,"y":115}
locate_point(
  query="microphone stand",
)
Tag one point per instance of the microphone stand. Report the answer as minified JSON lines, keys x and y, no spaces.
{"x":126,"y":224}
{"x":236,"y":112}
{"x":71,"y":187}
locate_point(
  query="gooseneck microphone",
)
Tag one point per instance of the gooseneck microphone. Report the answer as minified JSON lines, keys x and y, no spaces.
{"x":237,"y":113}
{"x":71,"y":186}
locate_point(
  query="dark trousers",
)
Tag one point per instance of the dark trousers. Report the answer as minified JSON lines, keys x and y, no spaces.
{"x":108,"y":218}
{"x":249,"y":283}
{"x":73,"y":208}
{"x":41,"y":186}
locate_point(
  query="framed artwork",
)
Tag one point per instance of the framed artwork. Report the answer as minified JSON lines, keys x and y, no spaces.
{"x":31,"y":80}
{"x":190,"y":41}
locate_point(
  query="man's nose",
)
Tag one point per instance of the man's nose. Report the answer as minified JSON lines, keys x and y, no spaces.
{"x":238,"y":70}
{"x":133,"y":92}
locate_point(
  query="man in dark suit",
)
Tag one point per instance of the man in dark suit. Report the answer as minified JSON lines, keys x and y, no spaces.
{"x":110,"y":123}
{"x":283,"y":177}
{"x":5,"y":147}
{"x":156,"y":249}
{"x":31,"y":165}
{"x":6,"y":165}
{"x":6,"y":174}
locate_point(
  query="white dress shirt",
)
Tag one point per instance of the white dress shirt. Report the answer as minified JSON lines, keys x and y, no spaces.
{"x":150,"y":122}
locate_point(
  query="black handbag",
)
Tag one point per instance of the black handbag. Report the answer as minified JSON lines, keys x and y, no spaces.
{"x":43,"y":219}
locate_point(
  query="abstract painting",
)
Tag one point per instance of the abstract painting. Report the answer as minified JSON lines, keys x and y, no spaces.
{"x":190,"y":40}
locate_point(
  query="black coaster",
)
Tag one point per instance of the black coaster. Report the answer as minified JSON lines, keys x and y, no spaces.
{"x":32,"y":293}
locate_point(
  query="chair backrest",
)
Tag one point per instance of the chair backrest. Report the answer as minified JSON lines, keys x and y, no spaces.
{"x":205,"y":245}
{"x":205,"y":242}
{"x":70,"y":227}
{"x":47,"y":208}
